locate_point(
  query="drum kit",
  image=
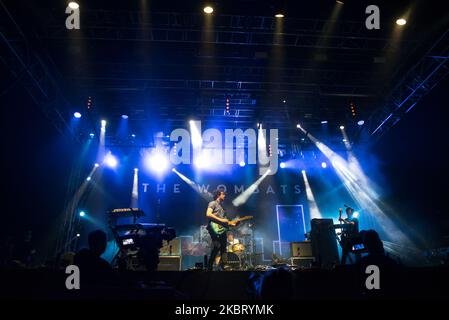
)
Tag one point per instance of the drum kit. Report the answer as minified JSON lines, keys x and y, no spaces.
{"x":240,"y":256}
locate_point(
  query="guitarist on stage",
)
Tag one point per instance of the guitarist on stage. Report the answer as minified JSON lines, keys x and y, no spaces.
{"x":216,"y":213}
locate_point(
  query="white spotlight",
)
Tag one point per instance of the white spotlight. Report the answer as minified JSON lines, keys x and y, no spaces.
{"x":208,"y":9}
{"x":342,"y":127}
{"x":279,"y":15}
{"x":110,"y":160}
{"x":96,"y":165}
{"x":298,"y":126}
{"x":103,"y":123}
{"x":401,"y":22}
{"x":361,"y":122}
{"x":157,"y":162}
{"x":73,"y":5}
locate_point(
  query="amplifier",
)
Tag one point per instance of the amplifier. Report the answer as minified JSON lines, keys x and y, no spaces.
{"x":301,"y":249}
{"x":171,"y":248}
{"x":302,"y":262}
{"x":169,"y":263}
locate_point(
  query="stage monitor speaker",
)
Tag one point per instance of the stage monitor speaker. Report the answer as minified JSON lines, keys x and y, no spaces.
{"x":169,"y":263}
{"x":302,"y":262}
{"x":324,"y":242}
{"x":301,"y":249}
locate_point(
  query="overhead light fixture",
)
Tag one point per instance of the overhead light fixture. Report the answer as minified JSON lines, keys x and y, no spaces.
{"x":324,"y":122}
{"x":401,"y":22}
{"x":124,"y":116}
{"x":77,"y":115}
{"x":279,"y":15}
{"x":73,"y":5}
{"x":339,"y":2}
{"x":342,"y":127}
{"x":361,"y":122}
{"x":208,"y":9}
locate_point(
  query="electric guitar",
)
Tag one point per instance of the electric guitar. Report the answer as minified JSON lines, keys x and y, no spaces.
{"x":218,"y":228}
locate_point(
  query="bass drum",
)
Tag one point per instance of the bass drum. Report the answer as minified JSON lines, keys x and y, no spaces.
{"x":238,"y":248}
{"x":231,"y":261}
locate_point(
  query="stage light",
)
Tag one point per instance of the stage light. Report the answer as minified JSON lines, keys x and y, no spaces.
{"x":284,"y":101}
{"x":282,"y":165}
{"x":103,"y":123}
{"x":96,"y":165}
{"x":323,"y":165}
{"x":361,"y":122}
{"x":195,"y":133}
{"x":73,"y":5}
{"x":157,"y":162}
{"x":124,"y":116}
{"x":324,"y":122}
{"x":82,"y":213}
{"x":355,"y":214}
{"x":135,"y":169}
{"x":339,"y":2}
{"x":342,"y":127}
{"x":133,"y":135}
{"x":91,"y":135}
{"x":77,"y":115}
{"x":208,"y":9}
{"x":279,"y":15}
{"x":110,"y":160}
{"x":78,"y":235}
{"x":303,"y":171}
{"x":242,"y":163}
{"x":401,"y":22}
{"x":298,"y":126}
{"x":344,"y":140}
{"x":88,"y":178}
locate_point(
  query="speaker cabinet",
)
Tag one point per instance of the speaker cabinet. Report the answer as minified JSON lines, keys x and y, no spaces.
{"x":301,"y":249}
{"x":169,"y":263}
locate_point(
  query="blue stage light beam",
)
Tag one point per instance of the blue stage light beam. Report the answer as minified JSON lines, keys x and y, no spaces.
{"x":244,"y":196}
{"x":135,"y":190}
{"x":201,"y":190}
{"x":314,"y":210}
{"x":362,"y":191}
{"x":110,"y":160}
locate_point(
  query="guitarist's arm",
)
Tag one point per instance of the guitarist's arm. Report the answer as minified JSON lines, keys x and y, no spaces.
{"x":212,"y":216}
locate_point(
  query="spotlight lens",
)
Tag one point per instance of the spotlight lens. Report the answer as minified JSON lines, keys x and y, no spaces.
{"x":135,"y":169}
{"x":356,"y":214}
{"x":158,"y":163}
{"x":82,"y":213}
{"x":324,"y":122}
{"x":92,"y":135}
{"x":298,"y":126}
{"x":242,"y":163}
{"x":96,"y":165}
{"x":361,"y":122}
{"x":73,"y":5}
{"x":124,"y":116}
{"x":342,"y":127}
{"x":282,"y":165}
{"x":110,"y":160}
{"x":279,"y":15}
{"x":88,"y":178}
{"x":78,"y":235}
{"x":401,"y":22}
{"x":303,"y":171}
{"x":103,"y":123}
{"x":208,"y":9}
{"x":324,"y":165}
{"x":133,"y":135}
{"x":77,"y":115}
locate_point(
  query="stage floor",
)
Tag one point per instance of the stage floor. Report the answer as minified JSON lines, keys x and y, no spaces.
{"x":341,"y":283}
